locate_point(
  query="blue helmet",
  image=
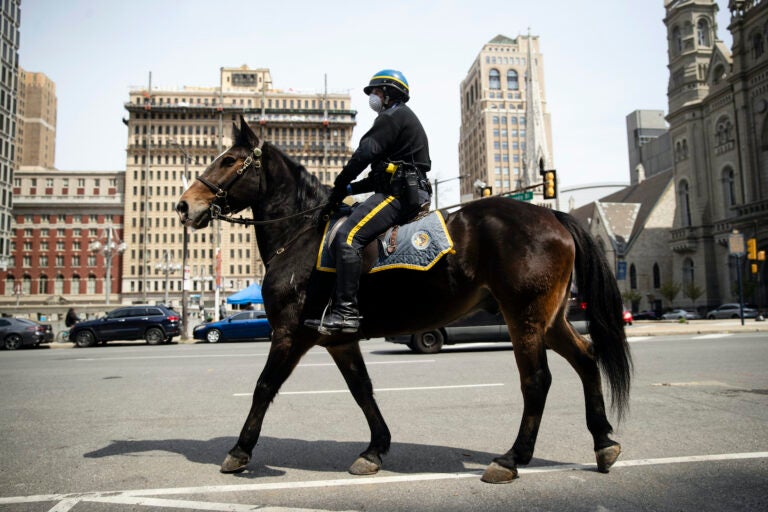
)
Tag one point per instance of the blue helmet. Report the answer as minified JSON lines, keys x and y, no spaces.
{"x":390,"y":78}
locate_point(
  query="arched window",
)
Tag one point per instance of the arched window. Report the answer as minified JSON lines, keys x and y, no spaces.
{"x":656,"y":276}
{"x":687,"y":272}
{"x":719,"y":74}
{"x":58,"y":285}
{"x":677,"y":41}
{"x":494,"y":79}
{"x":632,"y":277}
{"x":42,"y":285}
{"x":26,"y":284}
{"x":513,"y":83}
{"x":91,"y":285}
{"x":758,"y":47}
{"x":702,"y":33}
{"x":683,"y":202}
{"x":10,"y":282}
{"x":75,"y":285}
{"x":729,"y":188}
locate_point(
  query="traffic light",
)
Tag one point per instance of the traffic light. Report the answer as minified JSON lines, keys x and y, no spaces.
{"x":754,"y":268}
{"x":486,"y":191}
{"x":752,"y":248}
{"x":550,"y":184}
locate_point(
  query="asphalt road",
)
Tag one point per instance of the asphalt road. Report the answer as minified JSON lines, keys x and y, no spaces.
{"x":133,"y":427}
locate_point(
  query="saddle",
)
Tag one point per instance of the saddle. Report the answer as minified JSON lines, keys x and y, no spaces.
{"x":415,"y":245}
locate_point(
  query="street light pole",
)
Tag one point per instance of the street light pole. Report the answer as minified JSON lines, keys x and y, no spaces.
{"x":437,"y":182}
{"x":185,"y":274}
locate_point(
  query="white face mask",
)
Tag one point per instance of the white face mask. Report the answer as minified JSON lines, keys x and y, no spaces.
{"x":375,"y":102}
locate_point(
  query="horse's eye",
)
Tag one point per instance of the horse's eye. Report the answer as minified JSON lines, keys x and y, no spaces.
{"x":228,"y":161}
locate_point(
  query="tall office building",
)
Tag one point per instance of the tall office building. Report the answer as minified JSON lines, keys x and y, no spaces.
{"x":167,"y":127}
{"x":506,"y":131}
{"x":36,"y":133}
{"x":9,"y":61}
{"x":647,"y":144}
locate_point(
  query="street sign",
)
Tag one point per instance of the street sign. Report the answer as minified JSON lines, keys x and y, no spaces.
{"x":522,"y":196}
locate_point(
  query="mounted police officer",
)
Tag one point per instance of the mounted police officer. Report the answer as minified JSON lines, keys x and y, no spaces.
{"x":397,"y":150}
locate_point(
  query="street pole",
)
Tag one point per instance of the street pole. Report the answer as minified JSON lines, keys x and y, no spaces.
{"x":736,"y":249}
{"x":185,"y":276}
{"x":437,"y":182}
{"x":167,"y":268}
{"x":108,"y":261}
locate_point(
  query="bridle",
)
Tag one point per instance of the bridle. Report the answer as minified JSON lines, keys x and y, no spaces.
{"x":220,"y":208}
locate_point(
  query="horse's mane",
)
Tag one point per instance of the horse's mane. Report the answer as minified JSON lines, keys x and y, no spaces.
{"x":309,"y":190}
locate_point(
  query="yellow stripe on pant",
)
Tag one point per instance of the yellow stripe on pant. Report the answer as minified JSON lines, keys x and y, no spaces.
{"x":368,"y":217}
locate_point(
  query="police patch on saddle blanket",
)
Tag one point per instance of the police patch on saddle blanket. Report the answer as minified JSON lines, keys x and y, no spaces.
{"x":418,"y":246}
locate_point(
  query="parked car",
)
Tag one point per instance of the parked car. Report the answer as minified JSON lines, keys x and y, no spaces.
{"x":155,"y":324}
{"x":731,"y":310}
{"x":18,"y":332}
{"x":645,"y":315}
{"x":478,"y":327}
{"x":680,"y":314}
{"x":245,"y":325}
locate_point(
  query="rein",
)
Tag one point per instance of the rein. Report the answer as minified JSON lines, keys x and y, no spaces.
{"x":221,"y":212}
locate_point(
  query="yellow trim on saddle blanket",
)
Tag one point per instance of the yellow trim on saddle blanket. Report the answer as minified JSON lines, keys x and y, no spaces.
{"x":427,"y":238}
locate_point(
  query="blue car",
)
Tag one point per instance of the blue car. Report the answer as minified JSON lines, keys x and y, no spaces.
{"x":246,"y":325}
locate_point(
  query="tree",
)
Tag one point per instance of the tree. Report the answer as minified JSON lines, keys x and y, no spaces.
{"x":632,"y":297}
{"x":693,"y":292}
{"x":669,"y":291}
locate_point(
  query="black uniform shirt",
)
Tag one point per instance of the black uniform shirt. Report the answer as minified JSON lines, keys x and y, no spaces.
{"x":396,"y":135}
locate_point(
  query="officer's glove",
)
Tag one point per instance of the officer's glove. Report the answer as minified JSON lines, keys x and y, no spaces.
{"x":337,"y":196}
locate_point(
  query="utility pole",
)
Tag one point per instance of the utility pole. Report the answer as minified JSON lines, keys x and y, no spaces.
{"x":217,"y":227}
{"x":185,"y":273}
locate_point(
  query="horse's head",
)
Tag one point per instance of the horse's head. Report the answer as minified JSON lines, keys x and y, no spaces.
{"x":226,"y":184}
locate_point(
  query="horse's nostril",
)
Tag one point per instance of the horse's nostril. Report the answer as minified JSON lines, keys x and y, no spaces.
{"x":182,"y":207}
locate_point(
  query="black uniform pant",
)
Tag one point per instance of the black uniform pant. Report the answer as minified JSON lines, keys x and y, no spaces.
{"x":371,"y":218}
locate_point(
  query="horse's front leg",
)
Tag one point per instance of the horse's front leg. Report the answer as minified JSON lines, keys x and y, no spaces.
{"x":284,"y":355}
{"x":352,"y":366}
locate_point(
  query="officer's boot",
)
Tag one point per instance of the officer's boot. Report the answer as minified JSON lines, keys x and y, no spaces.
{"x":344,"y":316}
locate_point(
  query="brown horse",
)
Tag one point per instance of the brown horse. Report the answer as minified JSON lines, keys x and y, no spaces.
{"x":514,"y":254}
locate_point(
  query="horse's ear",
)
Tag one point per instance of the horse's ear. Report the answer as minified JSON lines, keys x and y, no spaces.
{"x":235,"y":132}
{"x":244,"y":136}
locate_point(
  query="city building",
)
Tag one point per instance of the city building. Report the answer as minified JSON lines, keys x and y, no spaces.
{"x":36,"y":125}
{"x":173,"y":135}
{"x":64,"y":220}
{"x":9,"y":62}
{"x":648,"y":143}
{"x":506,"y":134}
{"x":718,"y":129}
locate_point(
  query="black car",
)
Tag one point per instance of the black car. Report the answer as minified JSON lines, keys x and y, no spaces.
{"x":18,"y":332}
{"x":155,"y":324}
{"x":485,"y":325}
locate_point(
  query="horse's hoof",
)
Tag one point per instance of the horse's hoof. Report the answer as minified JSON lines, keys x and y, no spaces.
{"x":363,"y":466}
{"x":498,"y":474}
{"x":607,"y":456}
{"x":233,"y":464}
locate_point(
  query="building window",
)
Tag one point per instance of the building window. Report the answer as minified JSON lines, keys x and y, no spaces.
{"x":632,"y":277}
{"x":702,"y":33}
{"x":758,"y":46}
{"x":687,"y":272}
{"x":513,"y":83}
{"x":656,"y":276}
{"x":677,"y":41}
{"x":729,"y":188}
{"x":494,"y":79}
{"x":684,"y":202}
{"x":42,"y":285}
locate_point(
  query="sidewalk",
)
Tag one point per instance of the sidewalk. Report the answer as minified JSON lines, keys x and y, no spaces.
{"x":672,"y":327}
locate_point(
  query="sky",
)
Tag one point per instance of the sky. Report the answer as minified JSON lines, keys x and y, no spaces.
{"x":602,"y":60}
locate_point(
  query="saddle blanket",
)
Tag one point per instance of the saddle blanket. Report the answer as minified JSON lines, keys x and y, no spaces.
{"x":418,"y":246}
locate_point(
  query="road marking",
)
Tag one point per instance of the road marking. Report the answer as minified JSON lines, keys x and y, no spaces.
{"x":379,"y":390}
{"x":635,"y":339}
{"x":142,"y":496}
{"x":711,"y":383}
{"x":371,"y":363}
{"x":712,"y":336}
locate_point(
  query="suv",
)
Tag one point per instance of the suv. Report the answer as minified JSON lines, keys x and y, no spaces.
{"x":731,"y":310}
{"x":155,"y":324}
{"x":480,"y":326}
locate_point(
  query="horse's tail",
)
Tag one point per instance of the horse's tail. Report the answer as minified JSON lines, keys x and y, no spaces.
{"x":598,"y":288}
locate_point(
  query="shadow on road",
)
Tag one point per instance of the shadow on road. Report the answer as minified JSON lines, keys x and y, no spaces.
{"x":320,"y":455}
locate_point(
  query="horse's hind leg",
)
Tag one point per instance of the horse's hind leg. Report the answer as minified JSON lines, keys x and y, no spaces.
{"x":352,"y":366}
{"x":282,"y":359}
{"x":578,"y":352}
{"x":535,"y":379}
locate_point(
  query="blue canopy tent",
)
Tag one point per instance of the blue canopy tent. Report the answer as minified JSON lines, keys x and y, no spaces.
{"x":250,"y":295}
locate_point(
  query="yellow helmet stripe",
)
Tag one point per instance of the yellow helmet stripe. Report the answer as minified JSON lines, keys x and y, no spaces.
{"x":393,"y":78}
